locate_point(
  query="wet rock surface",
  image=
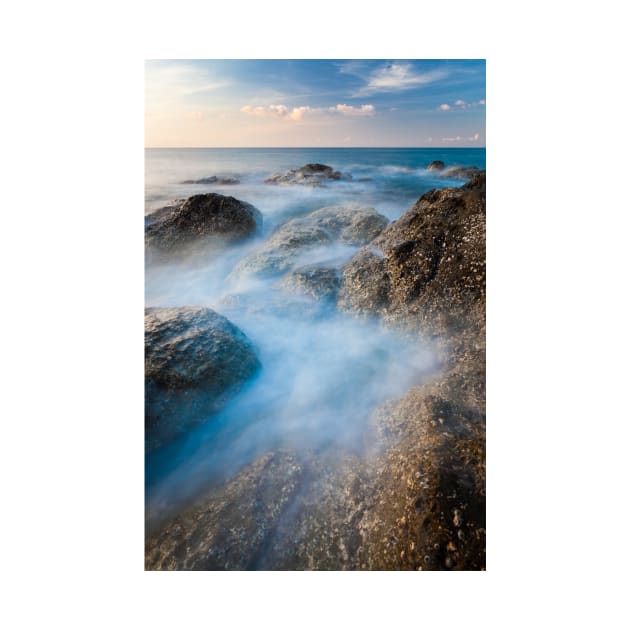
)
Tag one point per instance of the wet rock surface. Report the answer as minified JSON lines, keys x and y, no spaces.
{"x":199,"y":220}
{"x":213,"y":179}
{"x":230,"y":527}
{"x":308,"y":175}
{"x":460,"y":172}
{"x":349,"y":225}
{"x":321,"y":283}
{"x":195,"y":360}
{"x":436,"y":165}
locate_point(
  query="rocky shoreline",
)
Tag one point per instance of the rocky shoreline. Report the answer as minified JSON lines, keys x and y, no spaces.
{"x":416,"y":499}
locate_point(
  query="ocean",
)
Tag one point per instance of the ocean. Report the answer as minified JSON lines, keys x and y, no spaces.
{"x":324,"y":373}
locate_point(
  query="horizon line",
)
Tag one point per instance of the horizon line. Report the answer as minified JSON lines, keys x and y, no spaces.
{"x":318,"y":147}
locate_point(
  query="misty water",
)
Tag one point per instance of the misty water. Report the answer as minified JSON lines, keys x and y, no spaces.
{"x":324,"y":373}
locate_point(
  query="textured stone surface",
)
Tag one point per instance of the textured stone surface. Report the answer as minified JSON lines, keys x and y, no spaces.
{"x":427,"y":269}
{"x":348,"y":224}
{"x":199,"y":220}
{"x":195,"y":360}
{"x":230,"y":527}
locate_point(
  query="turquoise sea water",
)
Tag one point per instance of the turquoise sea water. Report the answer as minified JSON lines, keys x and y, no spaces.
{"x":323,"y":375}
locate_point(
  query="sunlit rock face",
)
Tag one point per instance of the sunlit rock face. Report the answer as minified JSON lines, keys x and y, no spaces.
{"x":200,"y":219}
{"x":195,"y":360}
{"x":426,"y":269}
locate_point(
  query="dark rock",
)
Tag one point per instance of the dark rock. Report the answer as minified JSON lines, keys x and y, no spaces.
{"x":352,"y":225}
{"x":195,"y":360}
{"x":460,"y":172}
{"x":436,"y":165}
{"x":213,"y":179}
{"x":199,"y":220}
{"x":310,"y":175}
{"x":321,"y":283}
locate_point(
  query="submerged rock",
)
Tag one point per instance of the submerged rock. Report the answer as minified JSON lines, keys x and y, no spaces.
{"x":436,"y":165}
{"x":199,"y":220}
{"x":460,"y":172}
{"x":213,"y":179}
{"x":195,"y":360}
{"x":350,"y":224}
{"x":309,"y":175}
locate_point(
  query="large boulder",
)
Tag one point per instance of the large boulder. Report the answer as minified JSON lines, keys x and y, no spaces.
{"x":427,"y":269}
{"x":308,"y":175}
{"x":436,"y":165}
{"x":195,"y":361}
{"x":199,"y":220}
{"x":350,"y":225}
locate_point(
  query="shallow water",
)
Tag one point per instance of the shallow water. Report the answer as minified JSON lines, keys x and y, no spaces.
{"x":323,"y":372}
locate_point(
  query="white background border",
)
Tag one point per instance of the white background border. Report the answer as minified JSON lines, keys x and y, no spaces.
{"x":557,"y":136}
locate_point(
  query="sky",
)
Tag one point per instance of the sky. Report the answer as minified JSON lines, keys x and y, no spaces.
{"x":311,"y":103}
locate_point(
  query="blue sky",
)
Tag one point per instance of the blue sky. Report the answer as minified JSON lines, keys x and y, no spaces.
{"x":293,"y":103}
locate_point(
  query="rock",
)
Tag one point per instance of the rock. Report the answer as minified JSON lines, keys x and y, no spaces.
{"x":365,"y":284}
{"x":425,"y":271}
{"x":195,"y":361}
{"x":321,"y":283}
{"x":213,"y":179}
{"x":230,"y":528}
{"x":200,"y":220}
{"x":310,"y":175}
{"x":460,"y":172}
{"x":436,"y":165}
{"x":351,"y":225}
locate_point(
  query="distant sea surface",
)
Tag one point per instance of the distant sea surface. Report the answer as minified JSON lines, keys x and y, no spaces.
{"x":393,"y":179}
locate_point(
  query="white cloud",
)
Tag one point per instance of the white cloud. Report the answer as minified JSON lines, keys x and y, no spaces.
{"x":472,"y":138}
{"x":364,"y":110}
{"x":298,"y":113}
{"x":398,"y":76}
{"x":462,"y":104}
